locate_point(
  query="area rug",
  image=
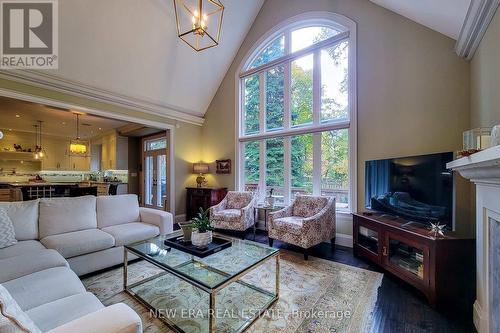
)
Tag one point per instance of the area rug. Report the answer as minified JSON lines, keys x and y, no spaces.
{"x":315,"y":296}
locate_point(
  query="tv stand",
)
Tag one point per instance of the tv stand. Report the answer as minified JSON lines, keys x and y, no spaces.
{"x":441,"y":267}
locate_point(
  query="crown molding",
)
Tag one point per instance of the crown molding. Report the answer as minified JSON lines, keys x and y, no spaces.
{"x":476,"y":23}
{"x":52,"y":82}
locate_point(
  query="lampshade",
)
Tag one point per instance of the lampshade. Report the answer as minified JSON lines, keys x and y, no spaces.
{"x":78,"y":148}
{"x":200,"y":168}
{"x":199,"y":22}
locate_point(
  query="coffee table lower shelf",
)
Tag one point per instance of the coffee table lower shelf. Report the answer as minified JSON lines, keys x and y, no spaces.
{"x":198,"y":308}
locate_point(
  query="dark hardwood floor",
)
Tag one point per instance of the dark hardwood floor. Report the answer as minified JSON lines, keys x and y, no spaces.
{"x":400,"y":308}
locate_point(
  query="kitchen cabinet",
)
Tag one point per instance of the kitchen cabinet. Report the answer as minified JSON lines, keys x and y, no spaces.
{"x":57,"y":156}
{"x":79,"y":163}
{"x":114,"y":152}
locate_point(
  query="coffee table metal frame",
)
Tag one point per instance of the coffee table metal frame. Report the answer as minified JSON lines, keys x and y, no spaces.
{"x":212,"y":291}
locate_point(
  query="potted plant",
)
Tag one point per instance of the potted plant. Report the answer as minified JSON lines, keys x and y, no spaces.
{"x":202,"y":230}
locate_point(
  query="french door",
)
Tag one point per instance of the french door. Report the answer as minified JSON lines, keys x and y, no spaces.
{"x":155,"y":164}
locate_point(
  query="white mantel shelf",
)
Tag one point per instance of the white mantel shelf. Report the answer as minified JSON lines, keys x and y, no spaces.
{"x":479,"y":167}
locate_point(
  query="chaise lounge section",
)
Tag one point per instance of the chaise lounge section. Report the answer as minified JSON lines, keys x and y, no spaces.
{"x":59,"y":239}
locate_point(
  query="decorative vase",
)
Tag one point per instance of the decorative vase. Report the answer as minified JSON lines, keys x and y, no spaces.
{"x":201,"y":239}
{"x":187,"y":229}
{"x":270,"y":201}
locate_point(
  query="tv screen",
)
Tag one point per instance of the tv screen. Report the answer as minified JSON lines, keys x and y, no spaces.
{"x":417,"y":188}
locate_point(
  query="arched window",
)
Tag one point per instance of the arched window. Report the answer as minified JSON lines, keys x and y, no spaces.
{"x":296,"y":117}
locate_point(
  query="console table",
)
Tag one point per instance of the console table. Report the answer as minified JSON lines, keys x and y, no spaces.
{"x":442,"y":267}
{"x":203,"y":197}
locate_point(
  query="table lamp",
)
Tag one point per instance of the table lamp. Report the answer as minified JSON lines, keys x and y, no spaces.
{"x":200,"y":169}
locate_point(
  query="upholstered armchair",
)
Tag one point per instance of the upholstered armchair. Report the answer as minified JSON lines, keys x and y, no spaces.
{"x":308,"y":221}
{"x":235,"y":212}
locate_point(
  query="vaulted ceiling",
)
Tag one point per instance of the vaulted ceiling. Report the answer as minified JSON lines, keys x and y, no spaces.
{"x":444,"y":16}
{"x":130,"y":48}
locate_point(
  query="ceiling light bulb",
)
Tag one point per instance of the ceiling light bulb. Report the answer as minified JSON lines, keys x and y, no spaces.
{"x":196,"y":14}
{"x":18,"y":116}
{"x":40,"y":154}
{"x":1,"y":135}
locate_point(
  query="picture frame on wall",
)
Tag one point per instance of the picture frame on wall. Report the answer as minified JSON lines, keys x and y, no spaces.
{"x":223,"y":166}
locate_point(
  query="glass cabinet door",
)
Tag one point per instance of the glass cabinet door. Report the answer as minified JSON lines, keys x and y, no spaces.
{"x":368,"y":239}
{"x":406,"y":257}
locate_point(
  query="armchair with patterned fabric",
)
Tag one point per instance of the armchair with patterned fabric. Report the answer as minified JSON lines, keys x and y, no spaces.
{"x":235,"y":212}
{"x":308,"y":221}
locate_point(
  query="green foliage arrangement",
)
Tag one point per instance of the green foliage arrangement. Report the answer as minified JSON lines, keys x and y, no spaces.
{"x":202,"y":222}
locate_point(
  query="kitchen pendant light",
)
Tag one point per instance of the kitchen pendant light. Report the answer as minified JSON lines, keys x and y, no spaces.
{"x":39,"y":151}
{"x":199,"y":22}
{"x":77,"y":146}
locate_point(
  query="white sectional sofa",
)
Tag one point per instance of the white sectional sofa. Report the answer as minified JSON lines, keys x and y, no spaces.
{"x":59,"y":239}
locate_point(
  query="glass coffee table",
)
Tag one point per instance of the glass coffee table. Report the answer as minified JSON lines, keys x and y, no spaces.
{"x":211,"y":294}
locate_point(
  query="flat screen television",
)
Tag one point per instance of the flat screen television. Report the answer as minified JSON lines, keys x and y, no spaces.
{"x":418,"y":188}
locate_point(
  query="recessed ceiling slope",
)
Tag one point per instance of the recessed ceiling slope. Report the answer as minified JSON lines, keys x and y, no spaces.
{"x":444,"y":16}
{"x":130,"y":49}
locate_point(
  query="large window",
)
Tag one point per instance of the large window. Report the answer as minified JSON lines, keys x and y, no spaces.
{"x":297,"y":116}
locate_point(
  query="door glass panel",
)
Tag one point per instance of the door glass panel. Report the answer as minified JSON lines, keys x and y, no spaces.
{"x":148,"y":180}
{"x":162,"y":180}
{"x":406,"y":257}
{"x":156,"y":144}
{"x":368,"y":239}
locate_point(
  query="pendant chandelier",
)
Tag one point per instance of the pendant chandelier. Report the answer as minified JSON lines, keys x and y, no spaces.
{"x":199,"y":22}
{"x":77,"y":146}
{"x":39,"y":151}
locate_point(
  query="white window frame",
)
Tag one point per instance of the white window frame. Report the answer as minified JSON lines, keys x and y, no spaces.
{"x":326,"y":19}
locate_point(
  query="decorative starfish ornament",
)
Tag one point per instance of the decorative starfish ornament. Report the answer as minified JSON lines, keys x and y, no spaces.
{"x":437,"y":229}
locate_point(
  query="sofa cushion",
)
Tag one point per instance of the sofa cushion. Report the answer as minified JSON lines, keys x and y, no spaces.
{"x":76,"y":243}
{"x":24,"y":216}
{"x":15,"y":267}
{"x":43,"y":287}
{"x":12,"y":318}
{"x":20,"y":248}
{"x":53,"y":314}
{"x":7,"y":235}
{"x":117,"y":209}
{"x":61,"y":215}
{"x":129,"y":233}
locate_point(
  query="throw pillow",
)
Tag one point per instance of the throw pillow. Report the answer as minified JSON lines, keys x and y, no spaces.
{"x":7,"y":235}
{"x":12,"y":318}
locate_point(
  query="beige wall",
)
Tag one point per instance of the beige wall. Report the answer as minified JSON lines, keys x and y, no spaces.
{"x":187,"y":137}
{"x":485,"y":78}
{"x":413,"y":90}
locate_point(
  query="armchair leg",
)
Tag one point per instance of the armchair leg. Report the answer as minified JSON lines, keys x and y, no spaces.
{"x":271,"y":242}
{"x":306,"y":254}
{"x":332,"y":243}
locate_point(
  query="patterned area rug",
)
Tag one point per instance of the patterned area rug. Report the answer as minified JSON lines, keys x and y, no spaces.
{"x":315,"y":296}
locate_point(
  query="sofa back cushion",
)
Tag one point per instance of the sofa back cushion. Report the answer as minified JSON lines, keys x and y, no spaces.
{"x":117,"y":209}
{"x":24,"y":217}
{"x":12,"y":318}
{"x":308,"y":205}
{"x":62,"y":215}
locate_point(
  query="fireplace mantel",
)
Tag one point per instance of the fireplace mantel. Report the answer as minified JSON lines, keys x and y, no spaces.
{"x":483,"y":169}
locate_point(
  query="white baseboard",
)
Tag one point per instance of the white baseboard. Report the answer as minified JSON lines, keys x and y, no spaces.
{"x":479,"y":318}
{"x":344,"y":240}
{"x":180,"y":218}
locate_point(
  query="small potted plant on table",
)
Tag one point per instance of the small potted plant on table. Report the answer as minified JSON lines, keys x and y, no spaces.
{"x":202,"y":230}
